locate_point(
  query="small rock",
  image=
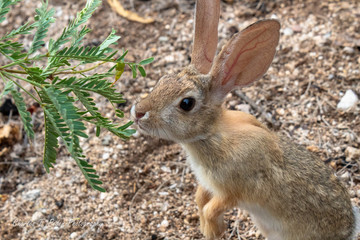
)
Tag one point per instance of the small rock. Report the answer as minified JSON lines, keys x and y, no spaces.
{"x":233,"y":103}
{"x":103,"y":195}
{"x":297,"y":28}
{"x":349,"y":50}
{"x":106,"y":140}
{"x":331,"y":76}
{"x":166,"y":169}
{"x":345,"y":176}
{"x":144,"y":95}
{"x":169,"y":59}
{"x":288,"y":32}
{"x":73,"y":235}
{"x":280,"y":111}
{"x":164,"y":224}
{"x":115,"y":219}
{"x":243,"y":107}
{"x":352,"y":193}
{"x":348,"y":100}
{"x":106,"y":156}
{"x":352,"y":153}
{"x":163,"y":39}
{"x":151,"y":83}
{"x":36,"y":216}
{"x":32,"y":194}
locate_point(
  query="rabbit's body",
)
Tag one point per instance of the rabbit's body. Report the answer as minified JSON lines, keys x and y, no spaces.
{"x":269,"y":185}
{"x":290,"y":193}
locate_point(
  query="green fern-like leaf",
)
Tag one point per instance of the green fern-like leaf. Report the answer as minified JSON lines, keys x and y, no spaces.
{"x":23,"y":29}
{"x":62,"y":116}
{"x":111,"y":39}
{"x":35,"y":74}
{"x":96,"y":83}
{"x":50,"y":145}
{"x":43,"y":19}
{"x":24,"y":114}
{"x":68,"y":32}
{"x":100,"y":121}
{"x":5,"y":7}
{"x":7,"y":89}
{"x":12,"y":50}
{"x":88,"y":54}
{"x":64,"y":105}
{"x":78,"y":36}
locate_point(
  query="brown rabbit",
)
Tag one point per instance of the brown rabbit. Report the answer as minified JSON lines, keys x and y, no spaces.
{"x":289,"y":193}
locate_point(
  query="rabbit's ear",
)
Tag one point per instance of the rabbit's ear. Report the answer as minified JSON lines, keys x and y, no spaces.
{"x":246,"y":57}
{"x":206,"y":34}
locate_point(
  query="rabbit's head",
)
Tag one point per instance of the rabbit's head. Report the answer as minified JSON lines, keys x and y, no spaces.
{"x":184,"y":107}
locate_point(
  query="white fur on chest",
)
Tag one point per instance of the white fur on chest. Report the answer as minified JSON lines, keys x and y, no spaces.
{"x":267,"y":223}
{"x":203,"y":175}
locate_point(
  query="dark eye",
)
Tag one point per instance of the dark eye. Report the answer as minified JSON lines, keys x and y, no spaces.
{"x":187,"y":104}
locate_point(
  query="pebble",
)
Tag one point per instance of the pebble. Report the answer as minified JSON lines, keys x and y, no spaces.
{"x":280,"y":111}
{"x":164,"y":224}
{"x":297,"y":28}
{"x":73,"y":235}
{"x":243,"y":107}
{"x":36,"y":216}
{"x":352,"y":153}
{"x":163,"y":39}
{"x":151,"y":83}
{"x":106,"y":140}
{"x":348,"y":100}
{"x":345,"y":176}
{"x":349,"y":50}
{"x":288,"y":32}
{"x":106,"y":156}
{"x":32,"y":194}
{"x":103,"y":195}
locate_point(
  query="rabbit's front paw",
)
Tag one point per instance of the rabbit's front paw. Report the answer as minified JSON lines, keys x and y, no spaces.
{"x":212,"y":229}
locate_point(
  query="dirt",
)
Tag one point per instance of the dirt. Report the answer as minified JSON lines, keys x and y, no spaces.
{"x":150,"y":188}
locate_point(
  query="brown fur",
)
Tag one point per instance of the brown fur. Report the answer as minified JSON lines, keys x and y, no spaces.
{"x":290,"y":193}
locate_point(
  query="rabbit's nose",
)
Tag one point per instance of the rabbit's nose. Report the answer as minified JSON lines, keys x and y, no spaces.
{"x":136,"y":113}
{"x":139,"y":115}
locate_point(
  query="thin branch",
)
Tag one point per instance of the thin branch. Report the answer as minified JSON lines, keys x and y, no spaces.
{"x":29,"y":93}
{"x":12,"y":71}
{"x":23,"y":79}
{"x":80,"y":71}
{"x":257,"y":108}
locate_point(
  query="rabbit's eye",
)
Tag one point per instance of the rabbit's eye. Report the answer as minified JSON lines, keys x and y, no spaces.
{"x":187,"y":104}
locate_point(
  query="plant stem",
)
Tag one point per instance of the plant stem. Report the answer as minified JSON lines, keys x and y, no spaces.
{"x":56,"y":73}
{"x":80,"y":71}
{"x":23,"y":79}
{"x":13,"y":71}
{"x":17,"y":84}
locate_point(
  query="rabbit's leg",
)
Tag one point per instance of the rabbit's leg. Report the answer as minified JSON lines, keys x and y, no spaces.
{"x":202,"y":197}
{"x":213,"y":211}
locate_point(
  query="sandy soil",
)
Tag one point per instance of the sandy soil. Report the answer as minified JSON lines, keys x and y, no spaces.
{"x":150,"y":188}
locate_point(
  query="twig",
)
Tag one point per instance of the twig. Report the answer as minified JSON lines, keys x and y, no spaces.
{"x":131,"y":204}
{"x":257,"y":108}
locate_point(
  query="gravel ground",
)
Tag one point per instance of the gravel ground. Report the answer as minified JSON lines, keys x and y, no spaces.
{"x":150,"y":188}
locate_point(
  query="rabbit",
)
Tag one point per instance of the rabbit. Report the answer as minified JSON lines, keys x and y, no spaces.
{"x":238,"y":162}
